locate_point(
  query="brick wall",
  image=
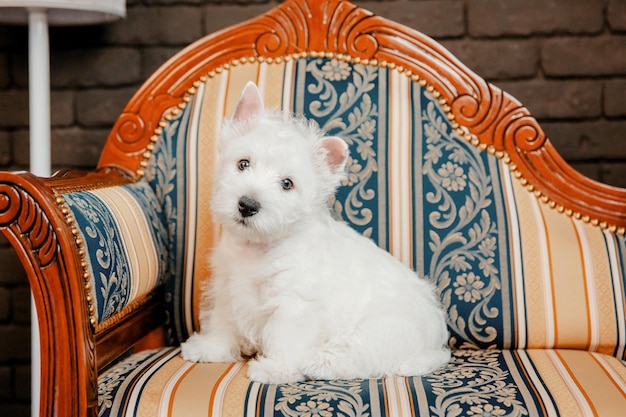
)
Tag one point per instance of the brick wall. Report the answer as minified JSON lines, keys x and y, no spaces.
{"x":564,"y":59}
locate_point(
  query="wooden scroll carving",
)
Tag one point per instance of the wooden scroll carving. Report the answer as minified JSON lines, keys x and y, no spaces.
{"x":19,"y":211}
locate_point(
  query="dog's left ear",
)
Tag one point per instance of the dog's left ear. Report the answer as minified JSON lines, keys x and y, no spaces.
{"x":250,"y":104}
{"x":335,"y":152}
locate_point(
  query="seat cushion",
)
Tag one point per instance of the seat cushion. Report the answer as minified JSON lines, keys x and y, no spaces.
{"x":474,"y":383}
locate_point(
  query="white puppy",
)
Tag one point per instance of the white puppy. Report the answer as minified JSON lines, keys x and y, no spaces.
{"x":305,"y":295}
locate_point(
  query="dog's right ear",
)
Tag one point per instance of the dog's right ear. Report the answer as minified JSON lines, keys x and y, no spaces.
{"x":250,"y":104}
{"x":335,"y":152}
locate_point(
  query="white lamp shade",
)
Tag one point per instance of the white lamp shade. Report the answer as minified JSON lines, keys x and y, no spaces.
{"x":64,"y":12}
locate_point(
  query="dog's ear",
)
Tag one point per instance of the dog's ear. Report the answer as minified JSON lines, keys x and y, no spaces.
{"x":335,"y":152}
{"x":250,"y":104}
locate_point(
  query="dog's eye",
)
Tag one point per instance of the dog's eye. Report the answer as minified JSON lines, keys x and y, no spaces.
{"x":243,"y":164}
{"x":287,"y":184}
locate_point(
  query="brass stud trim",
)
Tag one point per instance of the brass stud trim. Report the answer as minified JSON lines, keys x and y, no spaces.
{"x":80,"y":243}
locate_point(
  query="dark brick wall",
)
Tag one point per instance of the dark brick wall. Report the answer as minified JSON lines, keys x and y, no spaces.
{"x":564,"y":59}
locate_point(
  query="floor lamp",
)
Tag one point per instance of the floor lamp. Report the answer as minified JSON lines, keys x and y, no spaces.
{"x":39,"y":14}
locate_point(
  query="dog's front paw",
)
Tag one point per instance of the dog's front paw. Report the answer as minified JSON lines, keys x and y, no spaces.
{"x":272,"y":371}
{"x":202,"y":348}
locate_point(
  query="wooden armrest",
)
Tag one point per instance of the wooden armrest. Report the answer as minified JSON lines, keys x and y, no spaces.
{"x":36,"y":223}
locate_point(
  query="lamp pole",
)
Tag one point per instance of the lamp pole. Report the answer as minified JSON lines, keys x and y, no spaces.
{"x":39,"y":91}
{"x":40,"y":159}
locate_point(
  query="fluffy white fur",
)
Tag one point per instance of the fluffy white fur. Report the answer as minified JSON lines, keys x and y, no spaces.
{"x":303,"y":294}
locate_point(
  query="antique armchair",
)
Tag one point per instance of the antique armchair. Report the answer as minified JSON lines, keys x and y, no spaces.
{"x":448,"y":172}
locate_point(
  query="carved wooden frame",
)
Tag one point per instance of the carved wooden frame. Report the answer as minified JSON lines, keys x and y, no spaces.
{"x":35,"y":221}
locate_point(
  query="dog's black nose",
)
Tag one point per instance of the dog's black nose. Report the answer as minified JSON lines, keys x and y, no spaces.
{"x":248,"y":206}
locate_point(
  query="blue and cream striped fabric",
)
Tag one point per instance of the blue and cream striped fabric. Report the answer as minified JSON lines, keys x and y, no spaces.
{"x":512,"y":272}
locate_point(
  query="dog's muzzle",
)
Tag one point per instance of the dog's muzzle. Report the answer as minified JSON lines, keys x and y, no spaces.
{"x":248,"y":206}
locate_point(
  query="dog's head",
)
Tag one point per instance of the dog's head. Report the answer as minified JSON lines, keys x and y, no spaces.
{"x":275,"y":173}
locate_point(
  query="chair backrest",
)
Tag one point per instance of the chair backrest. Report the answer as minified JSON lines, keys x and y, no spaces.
{"x":447,"y":172}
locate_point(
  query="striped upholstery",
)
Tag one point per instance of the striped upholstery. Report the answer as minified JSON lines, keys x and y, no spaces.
{"x":523,"y":284}
{"x":565,"y":279}
{"x":125,"y":240}
{"x":476,"y":383}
